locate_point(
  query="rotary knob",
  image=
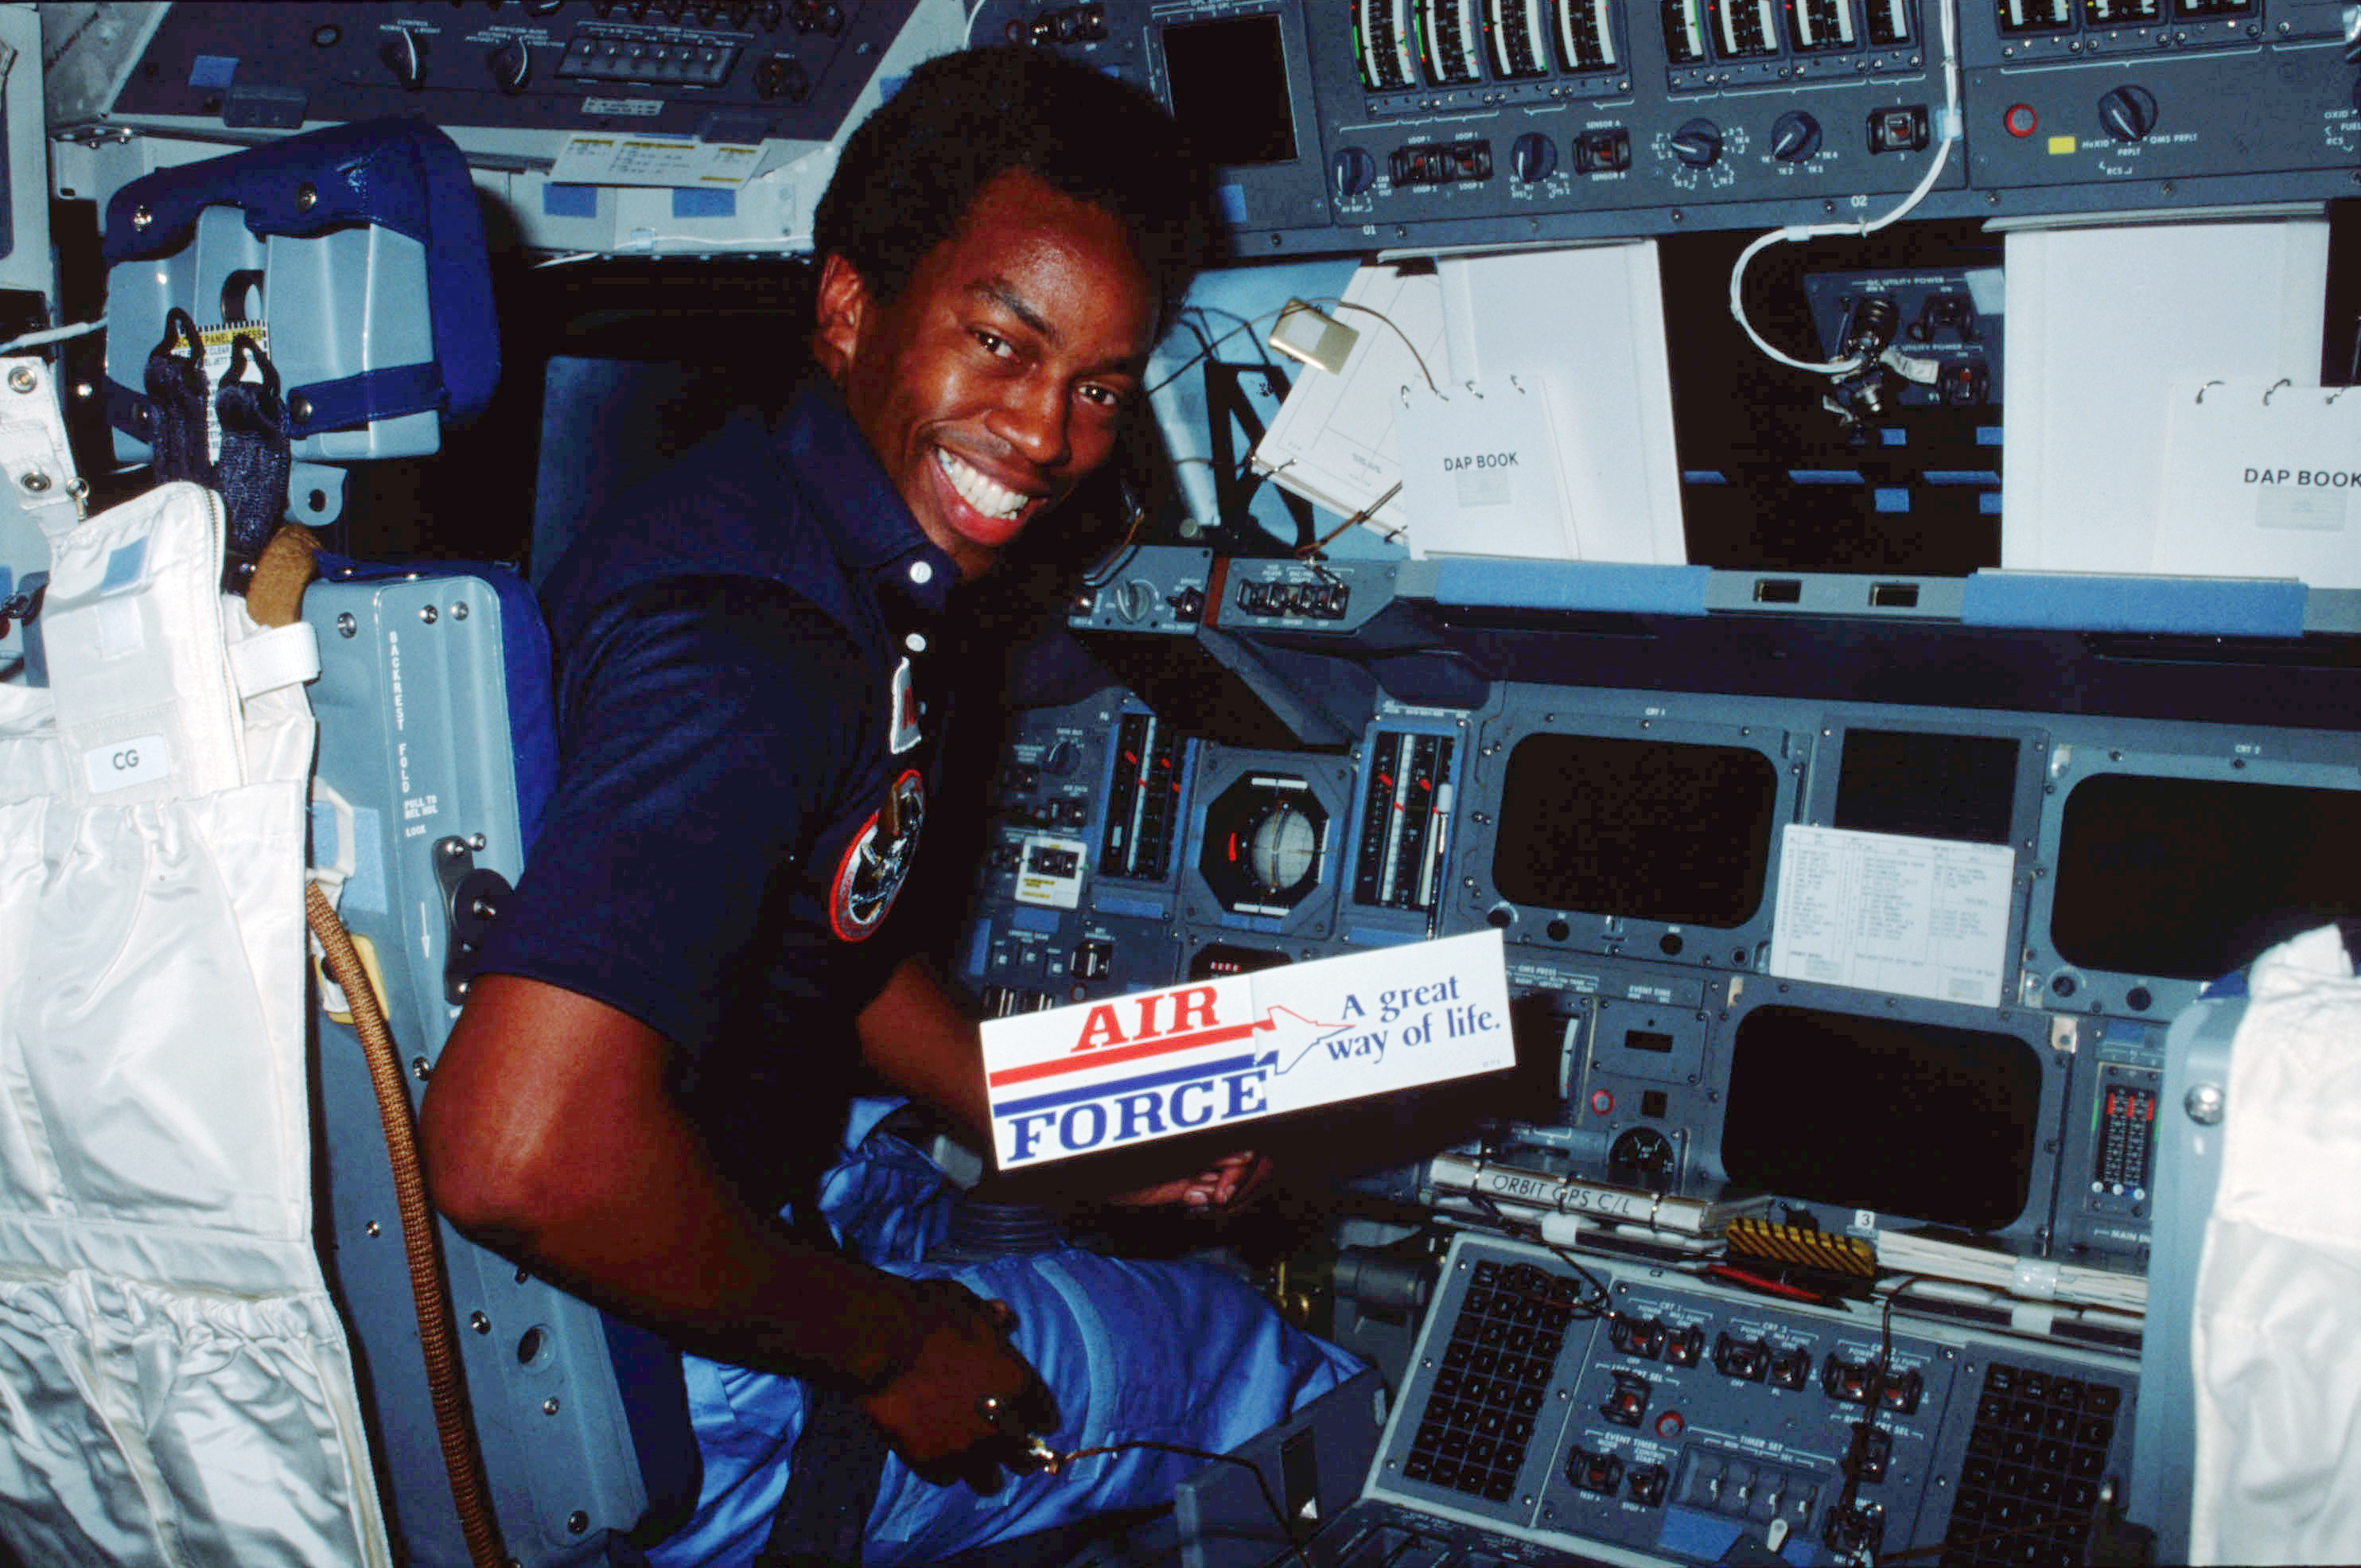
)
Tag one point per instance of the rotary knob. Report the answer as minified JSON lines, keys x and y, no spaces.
{"x":1697,"y":143}
{"x":1354,"y":170}
{"x":511,"y":66}
{"x":405,"y":53}
{"x":1795,"y":137}
{"x":1533,"y":156}
{"x":2129,"y":113}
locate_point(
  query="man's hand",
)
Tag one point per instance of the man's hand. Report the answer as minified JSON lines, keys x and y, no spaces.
{"x":932,"y":1409}
{"x":1227,"y":1182}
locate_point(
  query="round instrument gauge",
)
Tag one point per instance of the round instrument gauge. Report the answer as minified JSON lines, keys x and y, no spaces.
{"x":1265,"y":844}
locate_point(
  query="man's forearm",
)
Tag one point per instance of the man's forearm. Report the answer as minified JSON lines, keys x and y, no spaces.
{"x":593,"y":1180}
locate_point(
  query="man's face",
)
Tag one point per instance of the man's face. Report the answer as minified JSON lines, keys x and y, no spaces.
{"x":998,"y":379}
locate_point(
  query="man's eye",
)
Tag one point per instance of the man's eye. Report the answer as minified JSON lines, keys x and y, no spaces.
{"x":1103,"y":396}
{"x":993,"y":344}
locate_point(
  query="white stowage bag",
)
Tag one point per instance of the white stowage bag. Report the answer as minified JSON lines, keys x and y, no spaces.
{"x":2278,"y":1287}
{"x":174,"y":1380}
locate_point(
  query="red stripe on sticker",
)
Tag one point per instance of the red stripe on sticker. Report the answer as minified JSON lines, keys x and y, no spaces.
{"x":1058,"y":1066}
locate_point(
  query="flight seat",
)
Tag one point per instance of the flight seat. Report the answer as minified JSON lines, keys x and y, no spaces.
{"x":438,"y":753}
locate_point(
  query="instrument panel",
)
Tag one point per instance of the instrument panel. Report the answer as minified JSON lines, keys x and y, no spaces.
{"x":1646,"y":853}
{"x":1415,"y":124}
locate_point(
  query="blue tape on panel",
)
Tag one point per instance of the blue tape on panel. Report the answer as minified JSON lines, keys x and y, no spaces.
{"x":569,"y":201}
{"x":213,"y":70}
{"x":1891,"y":497}
{"x":1231,"y":201}
{"x":694,"y":204}
{"x":1571,"y":585}
{"x":979,"y":953}
{"x":1033,"y":917}
{"x":2209,"y":606}
{"x":1110,"y":902}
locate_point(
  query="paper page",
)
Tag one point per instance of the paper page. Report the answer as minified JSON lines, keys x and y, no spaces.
{"x":2105,"y":324}
{"x":1882,"y":911}
{"x":1586,"y":323}
{"x":1332,"y":440}
{"x":1480,"y":474}
{"x":2260,"y":482}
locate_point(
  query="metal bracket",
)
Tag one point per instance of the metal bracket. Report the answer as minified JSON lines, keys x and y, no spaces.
{"x":472,"y":896}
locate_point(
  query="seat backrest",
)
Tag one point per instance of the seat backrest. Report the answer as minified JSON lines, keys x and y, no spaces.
{"x":437,"y":748}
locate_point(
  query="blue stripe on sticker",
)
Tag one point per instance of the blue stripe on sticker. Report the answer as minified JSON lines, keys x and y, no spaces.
{"x":1147,"y":1080}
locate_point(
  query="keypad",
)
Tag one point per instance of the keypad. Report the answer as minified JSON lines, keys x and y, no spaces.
{"x":1493,"y":1376}
{"x":2029,"y":1483}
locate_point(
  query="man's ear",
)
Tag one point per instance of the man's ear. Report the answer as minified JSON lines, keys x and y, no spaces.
{"x":843,"y":313}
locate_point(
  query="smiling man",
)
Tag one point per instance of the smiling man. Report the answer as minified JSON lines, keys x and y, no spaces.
{"x":646,"y":1097}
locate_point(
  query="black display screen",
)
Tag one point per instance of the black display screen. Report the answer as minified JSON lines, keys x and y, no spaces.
{"x":1921,"y":1120}
{"x":2189,"y":878}
{"x":1644,"y":829}
{"x":1928,"y":786}
{"x":1228,"y":82}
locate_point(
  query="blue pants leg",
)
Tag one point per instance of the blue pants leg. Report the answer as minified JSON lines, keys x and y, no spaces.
{"x":1175,"y":1353}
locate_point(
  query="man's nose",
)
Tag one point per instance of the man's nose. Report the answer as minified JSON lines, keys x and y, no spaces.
{"x":1032,"y":418}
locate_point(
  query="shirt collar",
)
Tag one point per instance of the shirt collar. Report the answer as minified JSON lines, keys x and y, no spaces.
{"x":867,"y":523}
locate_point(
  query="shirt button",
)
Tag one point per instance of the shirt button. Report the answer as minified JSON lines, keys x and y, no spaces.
{"x":921,"y":572}
{"x":915,"y":642}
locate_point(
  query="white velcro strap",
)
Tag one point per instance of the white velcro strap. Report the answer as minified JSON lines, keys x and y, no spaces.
{"x":2037,"y":1280}
{"x":282,"y":656}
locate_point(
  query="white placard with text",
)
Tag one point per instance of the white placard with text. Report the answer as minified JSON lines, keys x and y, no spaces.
{"x":1882,"y":911}
{"x":1156,"y":1064}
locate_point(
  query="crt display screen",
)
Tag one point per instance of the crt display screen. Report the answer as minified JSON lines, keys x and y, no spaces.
{"x":1928,"y":786}
{"x":1923,"y":1120}
{"x":1644,"y":829}
{"x":1229,"y":81}
{"x":2189,"y":878}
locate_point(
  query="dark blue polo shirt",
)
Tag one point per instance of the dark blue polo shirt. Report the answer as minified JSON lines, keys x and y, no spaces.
{"x":718,"y":861}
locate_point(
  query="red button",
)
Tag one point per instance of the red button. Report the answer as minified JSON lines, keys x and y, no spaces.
{"x":1602,"y":1103}
{"x":2021,"y":120}
{"x":1670,"y":1424}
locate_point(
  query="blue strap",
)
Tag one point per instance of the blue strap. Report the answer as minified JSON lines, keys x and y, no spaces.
{"x":387,"y":392}
{"x":255,"y":458}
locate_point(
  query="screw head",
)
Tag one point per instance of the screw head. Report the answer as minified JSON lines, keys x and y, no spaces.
{"x":22,"y":379}
{"x":427,"y":613}
{"x":35,"y":481}
{"x":549,"y":1406}
{"x":141,"y":217}
{"x":300,"y":407}
{"x":347,"y":626}
{"x":460,"y":611}
{"x":306,"y":197}
{"x":2205,"y":1103}
{"x":480,"y":1323}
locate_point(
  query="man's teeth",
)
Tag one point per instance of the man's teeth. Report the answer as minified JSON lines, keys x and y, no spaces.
{"x":985,"y":495}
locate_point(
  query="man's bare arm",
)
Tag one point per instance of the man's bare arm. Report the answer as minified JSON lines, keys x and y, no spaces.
{"x":548,"y":1135}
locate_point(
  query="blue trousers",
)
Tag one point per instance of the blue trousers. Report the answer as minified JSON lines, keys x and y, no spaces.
{"x":1176,"y":1353}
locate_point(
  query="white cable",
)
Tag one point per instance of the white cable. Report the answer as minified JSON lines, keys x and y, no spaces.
{"x":52,"y":335}
{"x":1950,"y":29}
{"x":643,"y":240}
